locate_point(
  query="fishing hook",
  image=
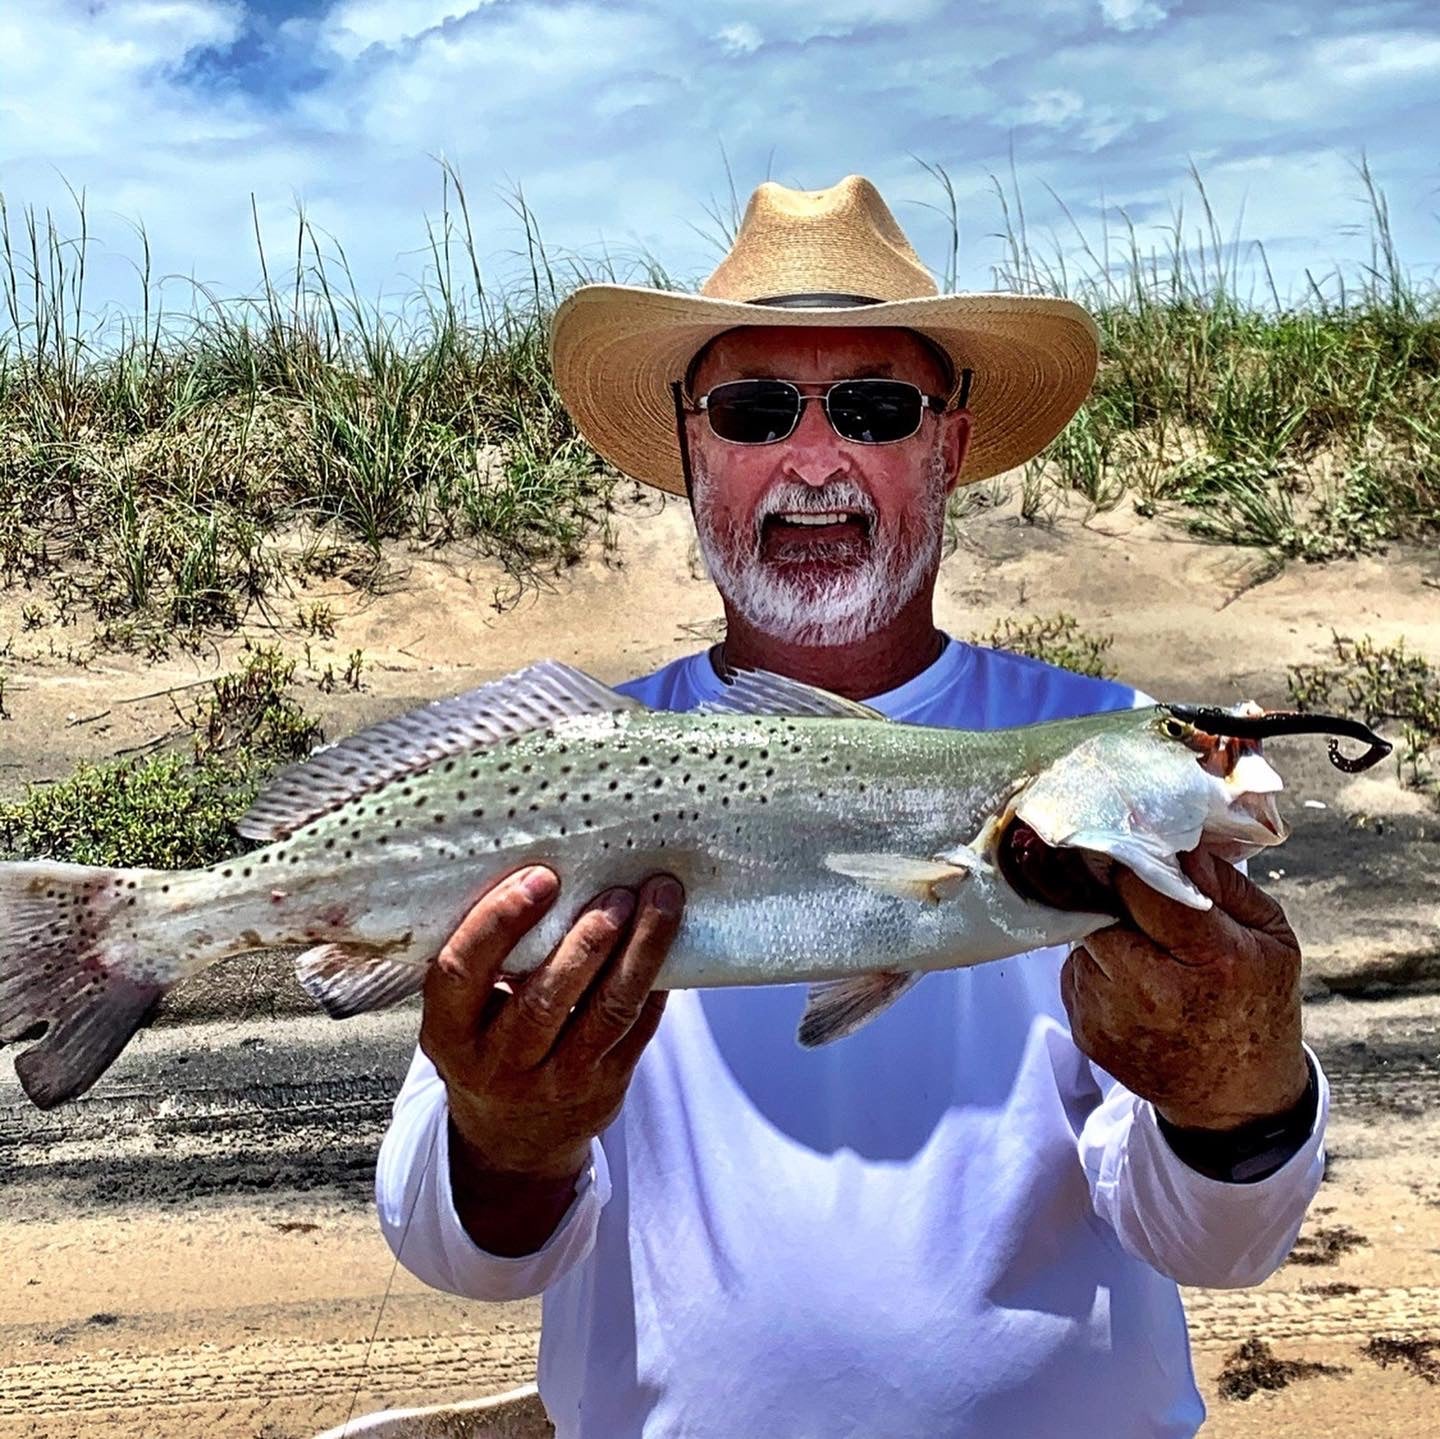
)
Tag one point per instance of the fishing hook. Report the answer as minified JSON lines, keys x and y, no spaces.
{"x":1219,"y":722}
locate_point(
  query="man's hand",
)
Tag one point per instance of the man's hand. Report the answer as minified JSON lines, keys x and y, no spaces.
{"x":1196,"y":1011}
{"x":534,"y":1072}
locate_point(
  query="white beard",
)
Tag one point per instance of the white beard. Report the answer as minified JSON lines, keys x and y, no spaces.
{"x":839,"y":607}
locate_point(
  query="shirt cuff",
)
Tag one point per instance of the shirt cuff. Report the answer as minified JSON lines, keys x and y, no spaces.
{"x":1299,"y":1168}
{"x":502,"y":1276}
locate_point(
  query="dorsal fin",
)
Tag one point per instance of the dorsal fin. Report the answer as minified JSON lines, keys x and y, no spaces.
{"x":764,"y":692}
{"x":540,"y":695}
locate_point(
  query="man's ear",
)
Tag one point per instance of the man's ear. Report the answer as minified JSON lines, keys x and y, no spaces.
{"x":955,"y":445}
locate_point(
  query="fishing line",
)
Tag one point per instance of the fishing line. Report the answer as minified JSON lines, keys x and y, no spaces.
{"x":389,"y":1284}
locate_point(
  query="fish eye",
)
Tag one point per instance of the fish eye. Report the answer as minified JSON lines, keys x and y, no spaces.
{"x":1173,"y":728}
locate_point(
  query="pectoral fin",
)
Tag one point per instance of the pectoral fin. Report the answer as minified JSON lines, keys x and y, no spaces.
{"x":838,"y":1007}
{"x":926,"y":880}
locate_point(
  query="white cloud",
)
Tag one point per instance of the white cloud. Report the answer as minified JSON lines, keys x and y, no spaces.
{"x":1051,"y":108}
{"x":352,"y":26}
{"x":612,"y":113}
{"x":1364,"y":59}
{"x":1132,"y":14}
{"x":742,"y":39}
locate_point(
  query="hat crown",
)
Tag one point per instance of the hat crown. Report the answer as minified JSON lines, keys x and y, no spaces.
{"x":842,"y":240}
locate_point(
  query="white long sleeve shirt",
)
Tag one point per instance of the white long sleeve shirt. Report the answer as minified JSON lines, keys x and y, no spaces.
{"x":950,"y":1223}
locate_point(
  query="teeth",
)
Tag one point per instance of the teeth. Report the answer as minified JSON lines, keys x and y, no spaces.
{"x":826,"y":517}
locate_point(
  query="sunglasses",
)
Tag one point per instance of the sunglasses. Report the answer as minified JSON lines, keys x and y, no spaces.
{"x":864,"y":411}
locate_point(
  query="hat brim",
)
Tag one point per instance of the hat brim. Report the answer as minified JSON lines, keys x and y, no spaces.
{"x":616,"y":349}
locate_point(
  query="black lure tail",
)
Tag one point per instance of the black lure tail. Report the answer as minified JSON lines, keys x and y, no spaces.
{"x":1216,"y":721}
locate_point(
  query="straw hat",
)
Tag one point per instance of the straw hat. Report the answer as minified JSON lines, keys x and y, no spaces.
{"x":817,"y":257}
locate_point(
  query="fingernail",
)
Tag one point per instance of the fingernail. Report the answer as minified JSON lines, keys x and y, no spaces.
{"x":668,"y":898}
{"x":618,"y":905}
{"x":538,"y":883}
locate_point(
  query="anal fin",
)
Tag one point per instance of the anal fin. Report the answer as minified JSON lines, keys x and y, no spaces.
{"x":350,"y":979}
{"x":838,"y":1007}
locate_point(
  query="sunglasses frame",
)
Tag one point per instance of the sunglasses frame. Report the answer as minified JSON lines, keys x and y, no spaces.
{"x":938,"y":403}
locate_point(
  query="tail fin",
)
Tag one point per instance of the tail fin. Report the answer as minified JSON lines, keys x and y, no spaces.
{"x":70,"y":972}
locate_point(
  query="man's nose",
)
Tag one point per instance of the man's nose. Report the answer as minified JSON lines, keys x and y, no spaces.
{"x":813,"y":453}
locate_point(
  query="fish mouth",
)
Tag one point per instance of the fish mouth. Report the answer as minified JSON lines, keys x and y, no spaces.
{"x":1244,"y":815}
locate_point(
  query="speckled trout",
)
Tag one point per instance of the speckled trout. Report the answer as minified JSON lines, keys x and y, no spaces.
{"x":817,"y":841}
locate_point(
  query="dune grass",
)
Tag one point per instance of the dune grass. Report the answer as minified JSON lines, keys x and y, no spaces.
{"x":150,"y":461}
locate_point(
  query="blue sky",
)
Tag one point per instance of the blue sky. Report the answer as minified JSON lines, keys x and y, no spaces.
{"x":613,"y":116}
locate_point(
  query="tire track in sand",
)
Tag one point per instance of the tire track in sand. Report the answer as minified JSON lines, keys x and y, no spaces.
{"x":481,"y":1361}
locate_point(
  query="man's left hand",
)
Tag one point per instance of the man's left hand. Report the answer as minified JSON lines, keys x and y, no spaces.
{"x":1196,"y":1011}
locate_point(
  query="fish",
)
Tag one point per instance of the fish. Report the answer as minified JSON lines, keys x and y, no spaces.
{"x":817,"y":840}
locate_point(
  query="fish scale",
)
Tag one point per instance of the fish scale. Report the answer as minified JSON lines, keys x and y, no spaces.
{"x":816,"y":842}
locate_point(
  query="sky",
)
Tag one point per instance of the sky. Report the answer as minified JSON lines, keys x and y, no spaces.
{"x":618,"y":119}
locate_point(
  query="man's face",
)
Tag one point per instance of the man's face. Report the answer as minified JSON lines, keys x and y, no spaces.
{"x":756,"y":505}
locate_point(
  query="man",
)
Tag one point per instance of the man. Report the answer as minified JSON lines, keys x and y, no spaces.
{"x":968,"y":1218}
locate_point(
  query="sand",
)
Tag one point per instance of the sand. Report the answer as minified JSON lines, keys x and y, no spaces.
{"x":191,"y":1249}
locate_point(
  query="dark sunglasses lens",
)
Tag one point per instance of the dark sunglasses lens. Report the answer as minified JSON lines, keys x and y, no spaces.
{"x":753,"y":412}
{"x":875,"y":412}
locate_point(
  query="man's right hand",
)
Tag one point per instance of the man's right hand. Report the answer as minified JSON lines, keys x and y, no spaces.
{"x":535,"y":1071}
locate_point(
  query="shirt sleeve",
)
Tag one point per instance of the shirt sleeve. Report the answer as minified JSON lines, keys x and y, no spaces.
{"x":417,"y":1210}
{"x":1194,"y":1229}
